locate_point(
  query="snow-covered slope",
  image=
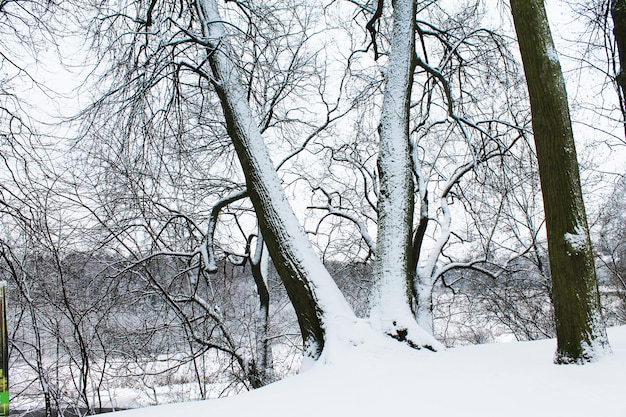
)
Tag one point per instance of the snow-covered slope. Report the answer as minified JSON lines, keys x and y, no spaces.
{"x":385,"y":379}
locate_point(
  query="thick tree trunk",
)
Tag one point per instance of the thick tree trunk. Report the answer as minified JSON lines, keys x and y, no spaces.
{"x":392,"y":293}
{"x":315,"y":297}
{"x":581,"y":333}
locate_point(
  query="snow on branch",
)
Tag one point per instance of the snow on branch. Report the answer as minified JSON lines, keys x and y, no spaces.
{"x":344,"y":214}
{"x":207,"y":249}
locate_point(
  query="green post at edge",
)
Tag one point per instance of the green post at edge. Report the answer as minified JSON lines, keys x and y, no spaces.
{"x":4,"y":353}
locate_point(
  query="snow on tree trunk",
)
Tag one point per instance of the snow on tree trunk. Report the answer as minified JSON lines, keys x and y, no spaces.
{"x":320,"y":307}
{"x":263,"y":367}
{"x":581,"y":333}
{"x":424,"y":309}
{"x":423,"y":282}
{"x":391,"y":295}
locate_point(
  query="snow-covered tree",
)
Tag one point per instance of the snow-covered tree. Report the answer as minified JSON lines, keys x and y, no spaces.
{"x":321,"y":309}
{"x":318,"y":302}
{"x":391,"y":301}
{"x":460,"y":140}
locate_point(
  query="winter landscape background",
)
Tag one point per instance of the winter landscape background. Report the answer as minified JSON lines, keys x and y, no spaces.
{"x":308,"y":207}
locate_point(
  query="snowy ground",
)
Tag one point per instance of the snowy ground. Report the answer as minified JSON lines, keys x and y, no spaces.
{"x":379,"y":379}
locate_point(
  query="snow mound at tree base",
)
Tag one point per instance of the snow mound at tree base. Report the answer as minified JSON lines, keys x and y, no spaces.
{"x":375,"y":379}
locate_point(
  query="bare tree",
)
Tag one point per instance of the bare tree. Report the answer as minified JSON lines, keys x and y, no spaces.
{"x":458,"y":144}
{"x":317,"y":300}
{"x":318,"y":303}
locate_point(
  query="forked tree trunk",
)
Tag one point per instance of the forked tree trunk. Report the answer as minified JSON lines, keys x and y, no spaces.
{"x":317,"y":301}
{"x":392,"y":291}
{"x":581,"y":333}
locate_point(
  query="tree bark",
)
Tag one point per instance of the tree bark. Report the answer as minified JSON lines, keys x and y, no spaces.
{"x":263,"y":369}
{"x":317,"y":301}
{"x":581,"y":333}
{"x":618,"y":15}
{"x":392,"y":290}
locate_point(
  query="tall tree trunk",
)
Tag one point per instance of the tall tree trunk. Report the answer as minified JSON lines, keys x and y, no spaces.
{"x":392,"y":293}
{"x":581,"y":333}
{"x":317,"y":301}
